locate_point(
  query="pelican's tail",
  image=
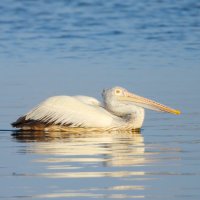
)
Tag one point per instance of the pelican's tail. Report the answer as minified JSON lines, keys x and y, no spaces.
{"x":35,"y":125}
{"x":24,"y":124}
{"x":19,"y":122}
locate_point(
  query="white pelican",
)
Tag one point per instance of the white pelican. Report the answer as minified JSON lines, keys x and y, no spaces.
{"x":120,"y":110}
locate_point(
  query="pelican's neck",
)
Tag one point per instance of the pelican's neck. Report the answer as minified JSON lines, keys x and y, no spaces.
{"x":135,"y":118}
{"x":130,"y":114}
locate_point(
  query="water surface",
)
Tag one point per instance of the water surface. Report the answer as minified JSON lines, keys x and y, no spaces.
{"x":69,"y":47}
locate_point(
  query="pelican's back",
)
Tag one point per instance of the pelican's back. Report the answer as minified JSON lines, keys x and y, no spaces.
{"x":66,"y":111}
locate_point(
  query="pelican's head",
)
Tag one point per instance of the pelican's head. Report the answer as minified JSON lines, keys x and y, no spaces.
{"x":121,"y":102}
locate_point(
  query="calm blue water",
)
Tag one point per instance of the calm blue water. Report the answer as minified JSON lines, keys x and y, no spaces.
{"x":70,"y":47}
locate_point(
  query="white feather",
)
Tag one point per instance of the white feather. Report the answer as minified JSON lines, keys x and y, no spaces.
{"x":121,"y":110}
{"x":76,"y":111}
{"x":88,"y":100}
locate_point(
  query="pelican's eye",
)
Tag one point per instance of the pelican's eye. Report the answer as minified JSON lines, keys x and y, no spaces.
{"x":118,"y":91}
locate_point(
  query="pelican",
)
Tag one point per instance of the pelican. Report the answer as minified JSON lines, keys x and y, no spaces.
{"x":120,"y":110}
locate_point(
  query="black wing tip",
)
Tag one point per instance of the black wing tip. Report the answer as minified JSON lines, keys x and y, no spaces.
{"x":18,"y":122}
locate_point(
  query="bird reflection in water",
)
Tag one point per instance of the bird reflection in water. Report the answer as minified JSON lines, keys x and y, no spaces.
{"x":116,"y":148}
{"x":86,"y":155}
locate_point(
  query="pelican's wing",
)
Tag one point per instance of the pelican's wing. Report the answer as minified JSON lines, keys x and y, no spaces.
{"x":88,"y":100}
{"x":66,"y":110}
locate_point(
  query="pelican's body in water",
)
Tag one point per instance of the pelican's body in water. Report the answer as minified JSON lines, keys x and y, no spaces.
{"x":120,"y":110}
